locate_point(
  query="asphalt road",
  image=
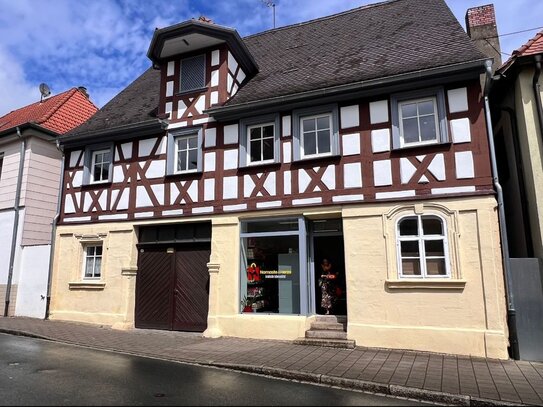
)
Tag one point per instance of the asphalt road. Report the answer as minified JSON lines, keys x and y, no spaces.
{"x":38,"y":372}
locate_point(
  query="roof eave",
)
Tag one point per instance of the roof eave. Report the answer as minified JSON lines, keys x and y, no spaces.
{"x":445,"y":73}
{"x":147,"y":127}
{"x":29,"y":125}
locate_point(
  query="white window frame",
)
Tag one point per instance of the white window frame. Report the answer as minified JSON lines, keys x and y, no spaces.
{"x":177,"y":151}
{"x":94,"y":153}
{"x":433,"y":99}
{"x":302,"y":135}
{"x":332,"y":111}
{"x":420,"y":238}
{"x":248,"y":136}
{"x":94,"y":256}
{"x":440,"y":112}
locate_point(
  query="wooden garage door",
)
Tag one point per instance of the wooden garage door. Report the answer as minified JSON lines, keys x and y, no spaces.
{"x":172,"y":287}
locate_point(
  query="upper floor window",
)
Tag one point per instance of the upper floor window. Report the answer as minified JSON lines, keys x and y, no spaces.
{"x":101,"y":161}
{"x":315,"y":132}
{"x":93,"y":261}
{"x":98,"y":164}
{"x":184,"y":153}
{"x":192,"y":73}
{"x":422,"y":247}
{"x":419,"y":118}
{"x":259,"y":140}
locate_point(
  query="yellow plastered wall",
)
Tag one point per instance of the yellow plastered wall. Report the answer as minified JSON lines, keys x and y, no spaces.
{"x":464,"y":315}
{"x":108,"y":301}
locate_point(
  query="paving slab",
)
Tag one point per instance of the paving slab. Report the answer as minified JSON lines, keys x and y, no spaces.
{"x":439,"y":378}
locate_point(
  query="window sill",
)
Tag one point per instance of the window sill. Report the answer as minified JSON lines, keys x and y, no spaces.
{"x":94,"y":185}
{"x":191,"y":92}
{"x":329,"y":157}
{"x":444,"y":145}
{"x":442,"y":284}
{"x":86,"y":285}
{"x":260,"y":165}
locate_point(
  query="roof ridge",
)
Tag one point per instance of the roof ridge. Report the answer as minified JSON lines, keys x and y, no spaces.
{"x":62,"y":100}
{"x":314,"y":20}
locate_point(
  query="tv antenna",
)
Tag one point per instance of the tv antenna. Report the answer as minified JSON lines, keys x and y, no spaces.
{"x":271,"y":4}
{"x":44,"y":90}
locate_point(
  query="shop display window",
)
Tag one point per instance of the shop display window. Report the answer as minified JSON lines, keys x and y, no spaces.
{"x":270,"y":275}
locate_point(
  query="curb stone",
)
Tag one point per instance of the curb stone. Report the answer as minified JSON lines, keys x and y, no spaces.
{"x":344,"y":383}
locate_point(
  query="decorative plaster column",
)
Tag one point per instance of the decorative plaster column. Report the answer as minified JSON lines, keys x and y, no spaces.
{"x":213,"y":330}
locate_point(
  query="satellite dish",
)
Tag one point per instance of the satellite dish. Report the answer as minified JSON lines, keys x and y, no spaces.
{"x":44,"y":90}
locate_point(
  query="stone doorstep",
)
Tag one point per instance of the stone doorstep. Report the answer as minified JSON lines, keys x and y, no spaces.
{"x":325,"y":334}
{"x":331,"y":326}
{"x":330,"y":343}
{"x":342,"y":319}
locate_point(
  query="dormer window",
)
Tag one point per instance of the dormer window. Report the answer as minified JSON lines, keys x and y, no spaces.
{"x":193,"y":73}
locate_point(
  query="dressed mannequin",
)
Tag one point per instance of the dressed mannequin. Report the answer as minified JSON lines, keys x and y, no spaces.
{"x":327,"y":282}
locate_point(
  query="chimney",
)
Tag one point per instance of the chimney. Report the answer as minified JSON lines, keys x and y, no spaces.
{"x":481,"y":27}
{"x":83,"y":90}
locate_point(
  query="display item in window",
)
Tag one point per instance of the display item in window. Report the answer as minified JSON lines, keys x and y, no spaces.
{"x":328,"y":285}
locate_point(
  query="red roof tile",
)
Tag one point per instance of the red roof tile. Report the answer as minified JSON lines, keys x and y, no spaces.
{"x":532,"y":47}
{"x":59,"y":113}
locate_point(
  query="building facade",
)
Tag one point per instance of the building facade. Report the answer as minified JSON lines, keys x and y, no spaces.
{"x":30,"y":168}
{"x":220,"y":180}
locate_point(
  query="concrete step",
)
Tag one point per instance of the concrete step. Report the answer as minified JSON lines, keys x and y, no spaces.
{"x":331,"y":343}
{"x":329,"y":326}
{"x":342,"y":319}
{"x":325,"y":334}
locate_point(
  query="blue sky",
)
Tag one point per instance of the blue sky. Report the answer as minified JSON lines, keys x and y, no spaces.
{"x":102,"y":44}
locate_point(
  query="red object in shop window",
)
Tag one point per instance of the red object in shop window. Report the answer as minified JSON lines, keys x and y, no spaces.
{"x":253,"y":272}
{"x":248,"y":308}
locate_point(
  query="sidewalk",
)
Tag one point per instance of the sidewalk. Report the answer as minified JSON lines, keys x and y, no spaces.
{"x":426,"y":376}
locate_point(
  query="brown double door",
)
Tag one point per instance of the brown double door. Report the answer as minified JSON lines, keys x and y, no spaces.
{"x":172,"y":287}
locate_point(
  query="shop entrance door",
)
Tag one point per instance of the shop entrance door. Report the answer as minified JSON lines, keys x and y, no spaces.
{"x":326,"y":242}
{"x":172,"y":287}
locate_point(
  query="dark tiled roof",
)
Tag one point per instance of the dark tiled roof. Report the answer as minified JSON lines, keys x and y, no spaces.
{"x":374,"y":41}
{"x":379,"y":40}
{"x":136,"y":103}
{"x":59,"y":113}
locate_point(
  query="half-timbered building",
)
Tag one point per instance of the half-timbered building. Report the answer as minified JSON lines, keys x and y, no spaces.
{"x":220,"y":179}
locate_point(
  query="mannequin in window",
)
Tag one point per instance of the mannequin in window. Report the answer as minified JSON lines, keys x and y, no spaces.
{"x":327,"y":283}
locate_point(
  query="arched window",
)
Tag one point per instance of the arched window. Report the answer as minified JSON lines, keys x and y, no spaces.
{"x":422,"y":247}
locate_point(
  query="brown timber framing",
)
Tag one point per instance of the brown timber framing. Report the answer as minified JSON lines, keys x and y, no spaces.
{"x":135,"y":175}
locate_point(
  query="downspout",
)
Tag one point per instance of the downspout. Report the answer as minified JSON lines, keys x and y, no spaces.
{"x":537,"y":93}
{"x":54,"y":232}
{"x":16,"y":208}
{"x":511,"y":312}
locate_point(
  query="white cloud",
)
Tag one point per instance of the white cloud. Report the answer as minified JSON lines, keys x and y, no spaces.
{"x":102,"y":44}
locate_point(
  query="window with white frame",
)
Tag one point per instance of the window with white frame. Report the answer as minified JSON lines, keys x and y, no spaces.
{"x":259,"y":140}
{"x":419,"y":118}
{"x":419,"y":123}
{"x":192,"y":73}
{"x":261,"y":143}
{"x":92,"y":265}
{"x":315,"y":132}
{"x":184,"y":150}
{"x":100,"y":166}
{"x":186,"y":153}
{"x":422,"y":247}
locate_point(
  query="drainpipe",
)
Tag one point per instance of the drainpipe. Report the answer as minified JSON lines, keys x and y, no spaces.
{"x":537,"y":93}
{"x":16,"y":208}
{"x":511,"y":312}
{"x":54,"y":232}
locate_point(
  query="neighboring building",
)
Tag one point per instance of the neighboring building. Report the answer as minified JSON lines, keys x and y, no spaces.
{"x":359,"y":137}
{"x":518,"y":121}
{"x":30,"y":167}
